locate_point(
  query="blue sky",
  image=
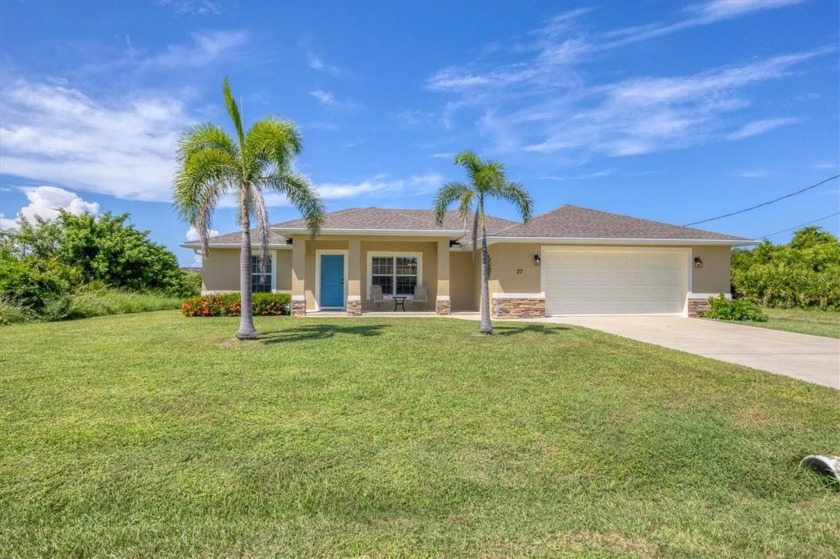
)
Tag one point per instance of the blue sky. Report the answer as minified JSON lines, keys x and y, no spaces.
{"x":670,"y":111}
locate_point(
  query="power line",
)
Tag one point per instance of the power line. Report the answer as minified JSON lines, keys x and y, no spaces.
{"x":765,"y":203}
{"x":803,"y":225}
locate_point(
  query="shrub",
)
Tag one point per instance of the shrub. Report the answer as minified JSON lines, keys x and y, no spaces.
{"x":41,"y":286}
{"x":722,"y":308}
{"x":12,"y":313}
{"x":229,"y":304}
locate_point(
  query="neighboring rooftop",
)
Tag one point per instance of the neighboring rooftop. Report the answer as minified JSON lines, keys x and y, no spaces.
{"x":573,"y":222}
{"x":235,"y":238}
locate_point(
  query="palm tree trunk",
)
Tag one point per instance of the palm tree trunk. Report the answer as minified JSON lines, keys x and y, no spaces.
{"x":486,"y":326}
{"x":246,"y":313}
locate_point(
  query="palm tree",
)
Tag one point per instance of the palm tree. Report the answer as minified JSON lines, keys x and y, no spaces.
{"x":211,"y":164}
{"x":487,"y":180}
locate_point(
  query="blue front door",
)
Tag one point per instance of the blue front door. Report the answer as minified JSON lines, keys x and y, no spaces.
{"x":332,"y":280}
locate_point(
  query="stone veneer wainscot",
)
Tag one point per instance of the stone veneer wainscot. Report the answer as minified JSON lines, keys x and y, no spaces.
{"x":518,"y":305}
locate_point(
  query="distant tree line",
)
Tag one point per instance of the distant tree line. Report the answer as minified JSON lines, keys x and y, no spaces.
{"x":44,"y":263}
{"x":803,"y":273}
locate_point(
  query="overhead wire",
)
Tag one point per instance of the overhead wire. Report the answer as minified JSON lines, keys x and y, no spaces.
{"x":763,"y":204}
{"x":798,"y":226}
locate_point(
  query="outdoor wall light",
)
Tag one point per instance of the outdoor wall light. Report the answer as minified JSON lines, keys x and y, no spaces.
{"x":537,"y":260}
{"x":697,"y":262}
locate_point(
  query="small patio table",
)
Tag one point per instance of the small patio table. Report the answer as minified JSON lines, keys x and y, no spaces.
{"x":399,"y":301}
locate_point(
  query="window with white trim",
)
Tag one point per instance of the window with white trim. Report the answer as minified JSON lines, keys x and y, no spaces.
{"x":260,"y":281}
{"x":396,"y":274}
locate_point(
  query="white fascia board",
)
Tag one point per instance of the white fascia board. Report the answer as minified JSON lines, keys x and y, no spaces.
{"x":607,"y":241}
{"x":456,"y":234}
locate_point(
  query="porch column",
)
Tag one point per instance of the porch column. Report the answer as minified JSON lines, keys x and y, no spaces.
{"x":354,"y":278}
{"x":443,"y":304}
{"x":298,"y":273}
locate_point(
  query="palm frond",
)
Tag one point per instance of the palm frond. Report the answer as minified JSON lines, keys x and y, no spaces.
{"x":201,"y":137}
{"x":233,"y":111}
{"x":258,"y":209}
{"x":445,"y":196}
{"x":471,"y":162}
{"x":273,"y":142}
{"x":302,"y":196}
{"x":518,"y":196}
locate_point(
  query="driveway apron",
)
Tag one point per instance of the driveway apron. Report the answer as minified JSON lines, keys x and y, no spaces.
{"x":810,"y":358}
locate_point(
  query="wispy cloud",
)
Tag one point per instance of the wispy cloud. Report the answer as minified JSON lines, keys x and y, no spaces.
{"x":760,"y":127}
{"x":329,"y":101}
{"x":204,"y":49}
{"x":587,"y":176}
{"x":317,"y":63}
{"x":59,"y":135}
{"x":754,"y":173}
{"x":192,"y":7}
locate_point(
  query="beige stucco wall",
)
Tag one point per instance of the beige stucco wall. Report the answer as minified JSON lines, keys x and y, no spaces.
{"x":462,"y":281}
{"x":713,"y":277}
{"x":220,"y":270}
{"x":512,"y":268}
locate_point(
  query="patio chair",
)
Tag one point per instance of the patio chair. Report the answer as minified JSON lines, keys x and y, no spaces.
{"x":420,"y":296}
{"x":376,"y":295}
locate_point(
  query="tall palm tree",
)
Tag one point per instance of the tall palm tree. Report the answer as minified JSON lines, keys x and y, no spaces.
{"x":211,"y":164}
{"x":487,"y":180}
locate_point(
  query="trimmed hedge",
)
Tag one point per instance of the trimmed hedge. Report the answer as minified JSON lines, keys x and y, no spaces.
{"x":722,"y":308}
{"x":230,"y":304}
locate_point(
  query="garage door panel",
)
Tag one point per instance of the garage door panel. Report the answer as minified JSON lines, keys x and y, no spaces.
{"x":614,"y":282}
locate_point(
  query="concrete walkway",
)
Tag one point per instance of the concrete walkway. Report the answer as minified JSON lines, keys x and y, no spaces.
{"x":809,"y":358}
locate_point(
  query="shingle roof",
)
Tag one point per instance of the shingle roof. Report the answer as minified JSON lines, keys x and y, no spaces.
{"x":236,"y":237}
{"x":381,"y":219}
{"x":572,"y":222}
{"x":566,"y":222}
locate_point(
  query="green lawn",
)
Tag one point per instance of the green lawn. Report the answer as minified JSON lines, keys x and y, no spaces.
{"x":157,"y":435}
{"x":814,"y":322}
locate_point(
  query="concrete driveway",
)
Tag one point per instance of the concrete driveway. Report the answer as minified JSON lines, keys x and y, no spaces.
{"x":809,"y":358}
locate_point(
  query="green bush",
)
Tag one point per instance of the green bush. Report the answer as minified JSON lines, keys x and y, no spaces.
{"x":12,"y":313}
{"x":722,"y":308}
{"x":805,"y":273}
{"x":230,"y":304}
{"x":37,"y":285}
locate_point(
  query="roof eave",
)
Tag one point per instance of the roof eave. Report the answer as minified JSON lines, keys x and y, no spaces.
{"x":272,"y":246}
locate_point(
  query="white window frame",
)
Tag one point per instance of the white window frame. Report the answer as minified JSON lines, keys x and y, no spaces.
{"x":393,"y":254}
{"x":272,"y":270}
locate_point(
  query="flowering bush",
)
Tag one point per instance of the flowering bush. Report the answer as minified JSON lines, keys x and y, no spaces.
{"x":230,"y":304}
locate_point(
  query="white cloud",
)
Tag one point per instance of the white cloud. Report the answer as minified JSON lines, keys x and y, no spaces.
{"x":717,"y":10}
{"x":192,"y":233}
{"x":46,"y":201}
{"x":6,"y":223}
{"x":205,"y":48}
{"x":124,"y":148}
{"x":317,"y":63}
{"x":587,"y":176}
{"x":760,"y":127}
{"x":328,"y":100}
{"x":192,"y":7}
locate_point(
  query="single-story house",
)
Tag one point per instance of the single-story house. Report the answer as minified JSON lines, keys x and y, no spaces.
{"x":569,"y":261}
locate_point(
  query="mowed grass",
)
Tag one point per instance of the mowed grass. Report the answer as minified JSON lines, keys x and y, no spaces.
{"x":814,"y":322}
{"x":158,"y":435}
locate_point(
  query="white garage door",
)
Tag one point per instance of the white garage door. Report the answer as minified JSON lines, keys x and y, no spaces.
{"x":614,"y":281}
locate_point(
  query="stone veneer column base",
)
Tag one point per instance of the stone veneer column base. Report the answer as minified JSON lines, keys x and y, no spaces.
{"x":443,"y":305}
{"x":298,"y":305}
{"x":696,"y":306}
{"x":519,"y":305}
{"x":354,"y":305}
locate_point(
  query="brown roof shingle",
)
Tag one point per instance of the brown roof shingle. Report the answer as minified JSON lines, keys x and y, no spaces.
{"x":374,"y":219}
{"x":572,"y":222}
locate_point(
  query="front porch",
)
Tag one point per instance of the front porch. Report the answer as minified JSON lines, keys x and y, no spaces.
{"x":334,"y":276}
